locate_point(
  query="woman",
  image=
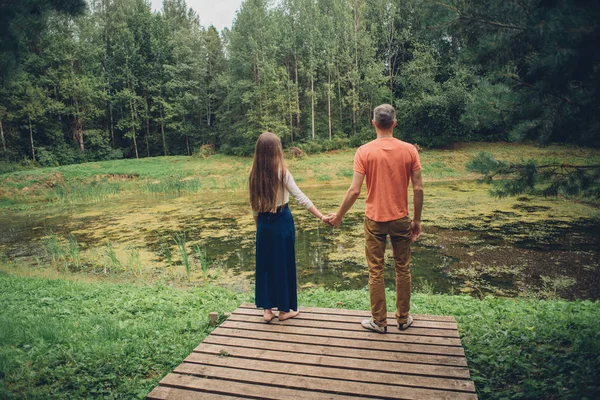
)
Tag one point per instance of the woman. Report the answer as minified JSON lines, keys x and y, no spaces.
{"x":270,"y":187}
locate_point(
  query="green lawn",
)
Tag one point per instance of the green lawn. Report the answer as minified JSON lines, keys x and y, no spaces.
{"x":66,"y":339}
{"x":176,"y":174}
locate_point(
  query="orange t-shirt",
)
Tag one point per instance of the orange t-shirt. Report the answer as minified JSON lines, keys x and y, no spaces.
{"x":388,"y":164}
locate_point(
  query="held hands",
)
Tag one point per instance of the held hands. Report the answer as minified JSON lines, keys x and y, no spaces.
{"x":332,"y":219}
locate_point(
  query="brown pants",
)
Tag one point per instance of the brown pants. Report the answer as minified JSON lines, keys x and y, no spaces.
{"x":375,"y":238}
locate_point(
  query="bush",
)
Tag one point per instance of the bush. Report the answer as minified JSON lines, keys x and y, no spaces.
{"x":105,"y":153}
{"x":336,"y":143}
{"x":311,"y":147}
{"x":295,"y":152}
{"x":243,"y":151}
{"x":7,"y":167}
{"x":206,"y":150}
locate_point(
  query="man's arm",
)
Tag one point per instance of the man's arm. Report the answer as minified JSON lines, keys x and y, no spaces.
{"x":349,"y":199}
{"x":417,"y":184}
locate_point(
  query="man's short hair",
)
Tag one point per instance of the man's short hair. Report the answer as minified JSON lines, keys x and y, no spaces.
{"x":384,"y":116}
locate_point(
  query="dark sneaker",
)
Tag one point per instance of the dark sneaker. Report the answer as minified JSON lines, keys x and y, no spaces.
{"x":405,"y":325}
{"x":372,"y":326}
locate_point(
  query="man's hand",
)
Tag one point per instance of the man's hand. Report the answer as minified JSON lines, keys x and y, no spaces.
{"x":333,"y":220}
{"x":415,"y":228}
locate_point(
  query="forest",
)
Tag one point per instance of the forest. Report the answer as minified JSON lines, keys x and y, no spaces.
{"x":113,"y":79}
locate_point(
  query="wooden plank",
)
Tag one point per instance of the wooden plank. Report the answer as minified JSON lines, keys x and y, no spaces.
{"x":348,"y":343}
{"x":265,"y":390}
{"x":416,"y":323}
{"x":362,"y":313}
{"x":170,"y":393}
{"x":364,"y":334}
{"x":342,"y":318}
{"x":321,"y":384}
{"x":320,"y":350}
{"x":396,"y":379}
{"x":345,"y":325}
{"x":332,"y":361}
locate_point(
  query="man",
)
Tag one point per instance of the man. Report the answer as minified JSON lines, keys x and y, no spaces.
{"x":389,"y":164}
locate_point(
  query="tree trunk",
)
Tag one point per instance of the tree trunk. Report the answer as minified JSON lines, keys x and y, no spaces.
{"x":391,"y":79}
{"x":340,"y":96}
{"x":112,"y":124}
{"x":31,"y":139}
{"x":187,"y":139}
{"x":329,"y":99}
{"x":312,"y":103}
{"x":133,"y":128}
{"x":147,"y":124}
{"x":162,"y":131}
{"x":291,"y":125}
{"x":297,"y":92}
{"x":208,"y":105}
{"x":355,"y":84}
{"x":354,"y":109}
{"x":287,"y":68}
{"x":78,"y":127}
{"x":2,"y":136}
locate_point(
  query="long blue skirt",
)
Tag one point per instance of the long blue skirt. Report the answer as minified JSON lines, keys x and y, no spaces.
{"x":276,"y":261}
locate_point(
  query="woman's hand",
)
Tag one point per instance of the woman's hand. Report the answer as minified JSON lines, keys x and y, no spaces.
{"x":332,"y":220}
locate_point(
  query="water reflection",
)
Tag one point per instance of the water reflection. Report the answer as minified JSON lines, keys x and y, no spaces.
{"x":319,"y":262}
{"x":513,"y":257}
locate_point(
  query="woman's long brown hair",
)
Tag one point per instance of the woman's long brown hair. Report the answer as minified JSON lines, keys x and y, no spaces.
{"x":268,"y":173}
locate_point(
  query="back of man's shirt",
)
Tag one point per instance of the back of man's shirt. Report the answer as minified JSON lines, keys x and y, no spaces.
{"x":388,"y":164}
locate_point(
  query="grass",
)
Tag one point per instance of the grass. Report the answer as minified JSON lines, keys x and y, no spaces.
{"x":176,"y":175}
{"x":61,"y":338}
{"x":65,"y":339}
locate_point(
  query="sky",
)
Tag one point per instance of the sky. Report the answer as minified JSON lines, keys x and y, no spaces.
{"x":219,"y":13}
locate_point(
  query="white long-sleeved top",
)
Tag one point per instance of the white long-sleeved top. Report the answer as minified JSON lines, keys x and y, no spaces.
{"x":290,"y":187}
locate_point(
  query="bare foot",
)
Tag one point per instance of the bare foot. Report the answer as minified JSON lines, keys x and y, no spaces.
{"x":269,"y":315}
{"x":287,"y":315}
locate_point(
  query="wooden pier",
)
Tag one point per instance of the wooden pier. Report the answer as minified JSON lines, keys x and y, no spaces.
{"x":322,"y":354}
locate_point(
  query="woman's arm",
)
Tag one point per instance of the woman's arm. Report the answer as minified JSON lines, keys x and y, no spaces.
{"x":300,"y":197}
{"x":315,"y":211}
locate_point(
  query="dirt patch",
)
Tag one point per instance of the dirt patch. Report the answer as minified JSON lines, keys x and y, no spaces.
{"x":49,"y":182}
{"x":117,"y":177}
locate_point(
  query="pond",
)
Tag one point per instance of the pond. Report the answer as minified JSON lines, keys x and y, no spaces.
{"x":504,"y":251}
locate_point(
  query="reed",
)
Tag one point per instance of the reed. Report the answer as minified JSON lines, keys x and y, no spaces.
{"x":113,"y":263}
{"x":53,"y":248}
{"x":202,"y":259}
{"x":181,"y":242}
{"x":134,"y":262}
{"x":74,"y":251}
